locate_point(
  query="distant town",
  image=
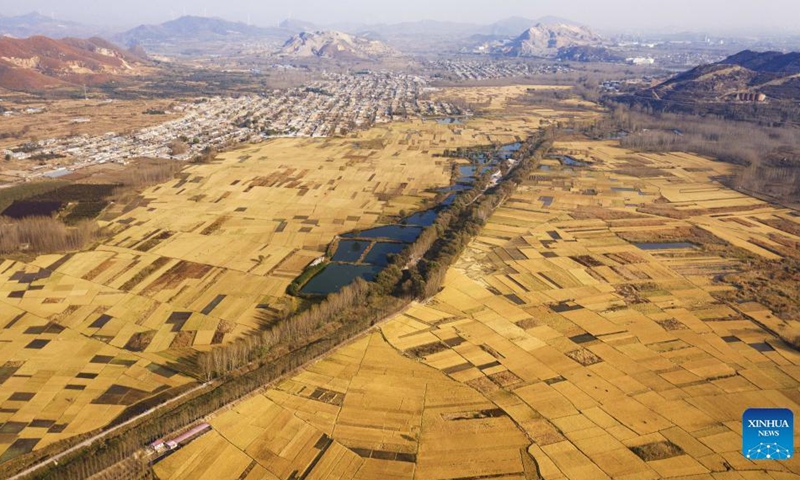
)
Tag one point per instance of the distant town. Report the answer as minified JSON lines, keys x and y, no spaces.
{"x":486,"y":69}
{"x":334,"y":105}
{"x":360,"y":241}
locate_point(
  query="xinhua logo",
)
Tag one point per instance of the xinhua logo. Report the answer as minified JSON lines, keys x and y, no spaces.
{"x":768,"y":434}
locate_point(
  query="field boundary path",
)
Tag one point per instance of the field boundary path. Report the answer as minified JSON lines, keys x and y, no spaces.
{"x":89,"y":441}
{"x":104,"y":433}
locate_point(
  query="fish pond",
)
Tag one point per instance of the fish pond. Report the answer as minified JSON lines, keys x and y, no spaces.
{"x":665,"y":246}
{"x":449,"y":121}
{"x":337,"y":276}
{"x":364,"y":253}
{"x":568,"y":161}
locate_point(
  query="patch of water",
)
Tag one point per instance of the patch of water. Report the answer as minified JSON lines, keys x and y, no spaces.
{"x":349,"y":251}
{"x":379,"y":253}
{"x":571,"y":162}
{"x":665,"y":245}
{"x":336,"y":276}
{"x":398,"y":233}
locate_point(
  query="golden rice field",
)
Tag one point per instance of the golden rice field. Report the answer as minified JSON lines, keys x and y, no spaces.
{"x":559,"y":348}
{"x":88,"y":334}
{"x":608,"y":355}
{"x":366,"y":412}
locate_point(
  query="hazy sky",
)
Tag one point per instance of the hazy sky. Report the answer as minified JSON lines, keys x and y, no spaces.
{"x":705,"y":15}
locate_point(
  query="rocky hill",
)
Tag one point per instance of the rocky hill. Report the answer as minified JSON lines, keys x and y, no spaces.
{"x":771,"y":74}
{"x":544,"y":40}
{"x":192,"y":29}
{"x":588,"y":53}
{"x":766,"y":62}
{"x":746,"y":81}
{"x":31,"y":24}
{"x":437,"y":36}
{"x":39,"y":63}
{"x":510,"y":27}
{"x":334,"y":45}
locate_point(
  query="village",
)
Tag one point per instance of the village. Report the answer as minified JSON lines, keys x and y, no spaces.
{"x":432,"y":241}
{"x":487,"y":70}
{"x":335,"y":105}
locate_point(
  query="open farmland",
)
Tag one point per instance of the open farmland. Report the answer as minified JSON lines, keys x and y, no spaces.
{"x":617,"y":359}
{"x":192,"y":263}
{"x":585,"y":328}
{"x":32,"y":120}
{"x":364,"y":412}
{"x":499,"y":101}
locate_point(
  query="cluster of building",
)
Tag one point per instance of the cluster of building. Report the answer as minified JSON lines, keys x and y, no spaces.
{"x":339,"y":103}
{"x":641,"y":60}
{"x":334,"y":105}
{"x":629,"y":84}
{"x":670,"y":55}
{"x":484,"y":70}
{"x":24,"y":111}
{"x":205,"y":123}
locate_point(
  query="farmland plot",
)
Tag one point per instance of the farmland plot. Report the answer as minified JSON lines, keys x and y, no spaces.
{"x":584,"y":330}
{"x":89,"y":334}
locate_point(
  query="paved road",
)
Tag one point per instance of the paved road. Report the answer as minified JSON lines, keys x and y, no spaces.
{"x":103,"y":434}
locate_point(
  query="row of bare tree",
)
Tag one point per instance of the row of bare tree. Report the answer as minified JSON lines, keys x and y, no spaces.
{"x":150,"y":173}
{"x":43,"y":234}
{"x":290,"y":331}
{"x":469,"y":215}
{"x":770,"y":154}
{"x":37,"y":235}
{"x":279,"y":348}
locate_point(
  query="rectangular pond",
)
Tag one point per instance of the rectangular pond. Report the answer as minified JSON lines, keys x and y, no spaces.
{"x":379,"y":253}
{"x":398,"y":233}
{"x":349,"y":251}
{"x":337,"y":276}
{"x":421,"y":219}
{"x":571,"y":162}
{"x":466,"y":174}
{"x":467,"y":170}
{"x":665,"y":245}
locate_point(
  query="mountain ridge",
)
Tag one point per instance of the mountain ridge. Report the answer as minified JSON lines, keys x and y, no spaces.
{"x":334,"y":45}
{"x":743,"y":86}
{"x":39,"y":63}
{"x":34,"y":23}
{"x":770,"y":73}
{"x":193,"y":28}
{"x":544,"y":40}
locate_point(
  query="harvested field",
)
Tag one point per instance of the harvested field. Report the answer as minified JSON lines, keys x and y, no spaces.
{"x":615,"y":361}
{"x":629,"y":363}
{"x":191,"y":264}
{"x":334,"y":421}
{"x":58,"y":117}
